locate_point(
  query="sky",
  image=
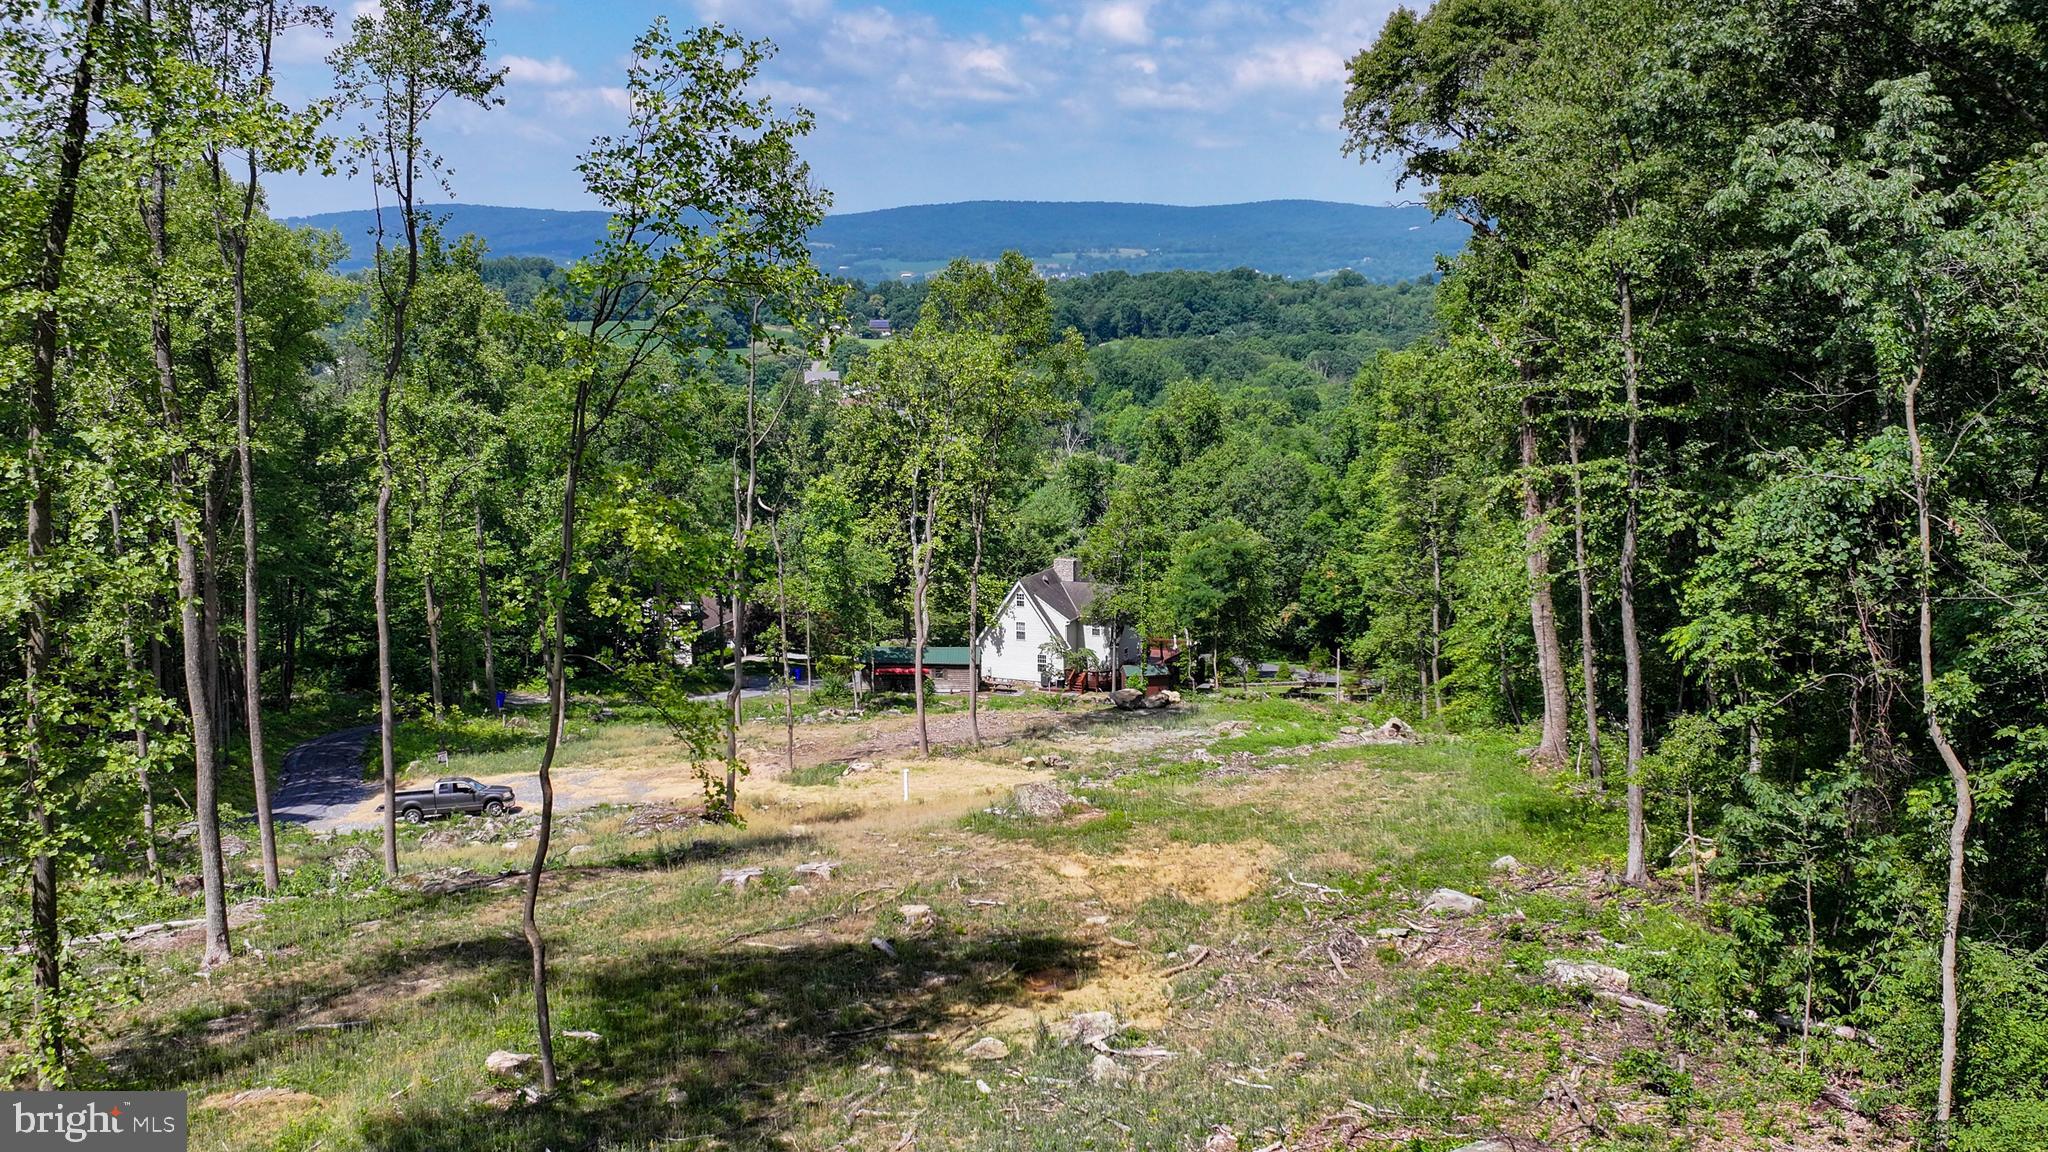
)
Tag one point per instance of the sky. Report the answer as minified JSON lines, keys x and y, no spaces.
{"x":931,"y":101}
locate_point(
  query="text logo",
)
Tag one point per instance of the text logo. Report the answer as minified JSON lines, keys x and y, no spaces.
{"x":113,"y":1121}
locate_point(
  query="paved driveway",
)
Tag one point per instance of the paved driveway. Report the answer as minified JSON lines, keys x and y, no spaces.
{"x":323,"y":778}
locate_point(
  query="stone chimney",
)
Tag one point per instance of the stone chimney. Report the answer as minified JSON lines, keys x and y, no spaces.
{"x":1067,"y":568}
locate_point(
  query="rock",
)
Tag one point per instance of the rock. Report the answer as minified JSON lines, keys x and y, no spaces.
{"x":855,"y":766}
{"x":738,"y":877}
{"x":917,"y":915}
{"x":1030,"y":761}
{"x":1158,"y":700}
{"x":578,"y":850}
{"x":503,"y":1063}
{"x":510,"y":846}
{"x":987,"y":1048}
{"x":1394,"y":731}
{"x":1103,"y":1070}
{"x":1127,"y":698}
{"x":1507,"y":864}
{"x":1391,"y":933}
{"x":1221,"y":1140}
{"x":816,"y":869}
{"x":1085,"y":1028}
{"x":796,"y":890}
{"x":1598,"y":977}
{"x":581,"y":1034}
{"x":1232,"y":727}
{"x":1451,"y":902}
{"x":1041,"y":801}
{"x":884,"y":947}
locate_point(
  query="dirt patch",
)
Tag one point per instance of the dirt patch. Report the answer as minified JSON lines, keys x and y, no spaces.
{"x":1197,"y":873}
{"x":1126,"y":987}
{"x":266,"y":1100}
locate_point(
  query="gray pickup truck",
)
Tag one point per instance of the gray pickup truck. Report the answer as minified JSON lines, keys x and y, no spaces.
{"x":452,"y":794}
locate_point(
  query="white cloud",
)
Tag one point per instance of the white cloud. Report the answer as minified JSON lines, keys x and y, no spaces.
{"x":1298,"y":65}
{"x":550,"y":72}
{"x":1118,"y":21}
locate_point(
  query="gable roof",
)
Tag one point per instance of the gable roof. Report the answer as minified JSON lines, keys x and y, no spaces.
{"x":1070,"y":598}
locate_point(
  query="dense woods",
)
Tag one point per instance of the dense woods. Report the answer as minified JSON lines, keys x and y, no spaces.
{"x":1712,"y":465}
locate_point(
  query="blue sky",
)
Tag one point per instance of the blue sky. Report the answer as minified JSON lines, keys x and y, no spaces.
{"x":928,"y":101}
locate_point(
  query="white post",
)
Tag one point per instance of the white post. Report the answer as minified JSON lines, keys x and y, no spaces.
{"x":1340,"y":672}
{"x":906,"y":783}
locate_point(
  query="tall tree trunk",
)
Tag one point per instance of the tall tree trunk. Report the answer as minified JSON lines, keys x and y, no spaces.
{"x":387,"y":718}
{"x":558,"y":704}
{"x":288,"y":670}
{"x":1631,"y":647}
{"x":974,"y":634}
{"x":403,"y":176}
{"x":252,"y":660}
{"x":210,"y":605}
{"x":1959,"y":776}
{"x":200,"y":665}
{"x":1551,"y":750}
{"x":920,"y":586}
{"x":782,"y":631}
{"x":1436,"y":624}
{"x":1588,"y":670}
{"x":483,"y":610}
{"x":44,"y":334}
{"x":141,"y":729}
{"x":742,"y":528}
{"x":433,"y":607}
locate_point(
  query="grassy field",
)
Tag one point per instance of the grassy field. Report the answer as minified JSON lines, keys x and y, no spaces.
{"x":1243,"y":902}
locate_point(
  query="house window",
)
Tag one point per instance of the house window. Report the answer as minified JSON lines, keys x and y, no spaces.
{"x":1020,"y":627}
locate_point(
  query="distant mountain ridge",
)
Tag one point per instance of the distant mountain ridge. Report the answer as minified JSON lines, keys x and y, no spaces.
{"x":1293,"y":238}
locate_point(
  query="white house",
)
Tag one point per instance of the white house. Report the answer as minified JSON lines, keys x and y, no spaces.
{"x":1047,"y":608}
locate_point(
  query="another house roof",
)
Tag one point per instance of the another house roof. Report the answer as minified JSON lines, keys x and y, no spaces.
{"x":1070,"y":598}
{"x":949,"y":656}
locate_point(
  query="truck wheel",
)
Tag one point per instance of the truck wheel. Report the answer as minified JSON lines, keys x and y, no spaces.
{"x":413,"y":815}
{"x":495,"y":808}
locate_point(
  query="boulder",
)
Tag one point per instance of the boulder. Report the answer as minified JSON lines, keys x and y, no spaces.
{"x":1395,"y":731}
{"x":503,"y":1063}
{"x":916,"y":915}
{"x":987,"y":1048}
{"x":1507,"y":864}
{"x":1085,"y":1028}
{"x":1103,"y":1070}
{"x":1041,"y":801}
{"x":1127,"y":698}
{"x":1221,"y":1140}
{"x":1451,"y":902}
{"x":1575,"y":974}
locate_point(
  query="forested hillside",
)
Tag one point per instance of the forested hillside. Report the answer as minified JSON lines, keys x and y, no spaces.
{"x":1296,"y":238}
{"x":1709,"y":475}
